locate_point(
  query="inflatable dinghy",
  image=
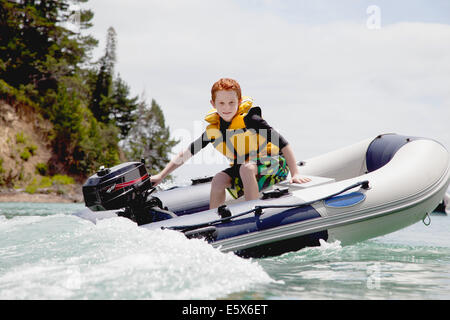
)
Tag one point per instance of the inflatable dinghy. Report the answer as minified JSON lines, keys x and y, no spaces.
{"x":362,"y":191}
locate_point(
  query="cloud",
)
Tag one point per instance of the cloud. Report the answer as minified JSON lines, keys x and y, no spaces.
{"x":323,"y":86}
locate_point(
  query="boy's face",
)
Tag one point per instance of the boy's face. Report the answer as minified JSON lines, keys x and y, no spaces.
{"x":226,"y":104}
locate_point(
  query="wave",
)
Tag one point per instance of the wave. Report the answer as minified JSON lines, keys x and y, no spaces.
{"x":63,"y":257}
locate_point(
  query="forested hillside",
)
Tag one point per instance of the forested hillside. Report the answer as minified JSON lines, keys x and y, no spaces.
{"x":64,"y":113}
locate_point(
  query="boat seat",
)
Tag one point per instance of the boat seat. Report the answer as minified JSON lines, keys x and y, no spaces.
{"x":383,"y":148}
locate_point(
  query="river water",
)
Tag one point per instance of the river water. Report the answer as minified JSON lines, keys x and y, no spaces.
{"x":46,"y":253}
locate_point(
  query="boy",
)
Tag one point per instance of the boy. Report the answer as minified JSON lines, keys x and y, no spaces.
{"x":259,"y":156}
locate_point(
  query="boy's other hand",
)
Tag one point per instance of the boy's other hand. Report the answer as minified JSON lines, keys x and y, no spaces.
{"x":299,"y":179}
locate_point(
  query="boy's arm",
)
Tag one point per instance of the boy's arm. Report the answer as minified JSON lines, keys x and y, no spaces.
{"x":176,"y":162}
{"x":292,"y":164}
{"x":181,"y":158}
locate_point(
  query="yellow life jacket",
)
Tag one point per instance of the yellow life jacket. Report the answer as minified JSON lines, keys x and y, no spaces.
{"x":240,"y":143}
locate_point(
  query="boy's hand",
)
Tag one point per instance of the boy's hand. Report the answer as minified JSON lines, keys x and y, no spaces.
{"x":156,"y":179}
{"x":297,"y":178}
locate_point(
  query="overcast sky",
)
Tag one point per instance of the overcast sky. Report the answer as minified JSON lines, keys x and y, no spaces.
{"x":325,"y":73}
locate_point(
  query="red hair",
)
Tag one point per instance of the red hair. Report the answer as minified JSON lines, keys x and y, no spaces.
{"x":226,"y":84}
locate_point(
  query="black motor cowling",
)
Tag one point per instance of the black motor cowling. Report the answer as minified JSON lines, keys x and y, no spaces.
{"x":116,"y":187}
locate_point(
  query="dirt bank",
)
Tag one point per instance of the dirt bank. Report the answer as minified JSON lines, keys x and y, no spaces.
{"x":9,"y":195}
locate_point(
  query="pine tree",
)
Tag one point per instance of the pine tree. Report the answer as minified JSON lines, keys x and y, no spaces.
{"x":100,"y":102}
{"x":150,"y":138}
{"x":122,"y":109}
{"x":35,"y":50}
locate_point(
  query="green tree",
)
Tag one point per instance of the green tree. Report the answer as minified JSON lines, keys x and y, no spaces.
{"x":34,"y":48}
{"x":123,"y":109}
{"x":47,"y":64}
{"x":98,"y":147}
{"x":110,"y":101}
{"x":80,"y":143}
{"x":150,"y":138}
{"x":100,"y":101}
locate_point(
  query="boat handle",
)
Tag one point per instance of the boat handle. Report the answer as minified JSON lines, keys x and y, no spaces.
{"x":429,"y":219}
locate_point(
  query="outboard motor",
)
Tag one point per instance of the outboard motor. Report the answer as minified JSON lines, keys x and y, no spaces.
{"x":127,"y":188}
{"x":116,"y":187}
